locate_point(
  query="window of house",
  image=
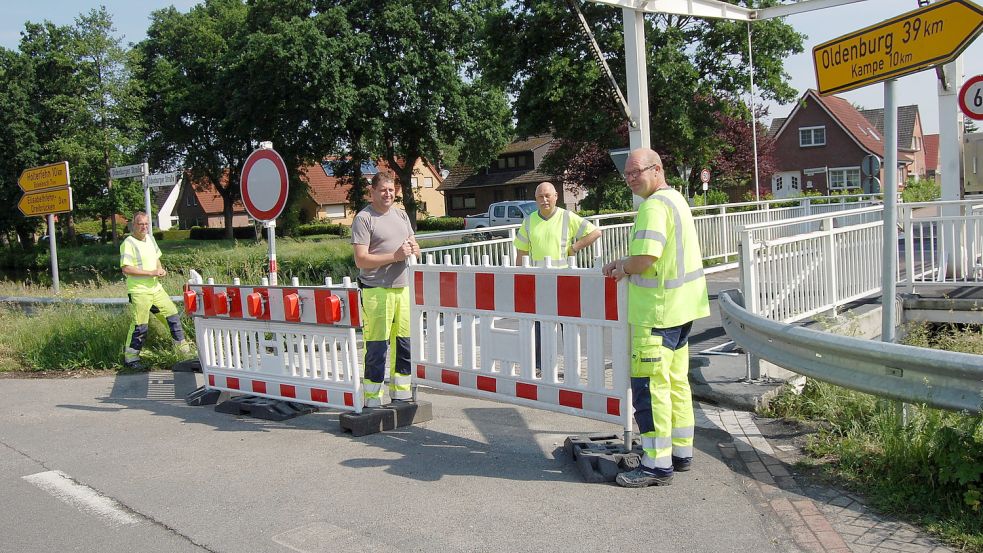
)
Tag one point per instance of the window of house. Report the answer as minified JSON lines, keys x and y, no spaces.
{"x":428,"y":182}
{"x":511,"y":162}
{"x":469,"y":201}
{"x":522,"y":161}
{"x":519,"y":192}
{"x":415,"y":183}
{"x":501,"y":163}
{"x":422,"y":206}
{"x":778,"y":182}
{"x":457,"y":202}
{"x":844,"y":178}
{"x":812,"y":136}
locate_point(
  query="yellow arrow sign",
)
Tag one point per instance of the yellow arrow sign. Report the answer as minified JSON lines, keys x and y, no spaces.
{"x":44,"y":177}
{"x":46,"y":202}
{"x":911,"y":42}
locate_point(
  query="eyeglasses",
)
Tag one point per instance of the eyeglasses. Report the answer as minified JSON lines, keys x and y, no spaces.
{"x":633,"y":174}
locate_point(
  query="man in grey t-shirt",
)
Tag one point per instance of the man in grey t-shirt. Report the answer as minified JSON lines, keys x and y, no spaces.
{"x":383,"y":238}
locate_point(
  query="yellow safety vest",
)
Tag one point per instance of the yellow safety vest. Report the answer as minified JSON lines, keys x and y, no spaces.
{"x":544,"y":238}
{"x":144,"y":255}
{"x":673,"y":290}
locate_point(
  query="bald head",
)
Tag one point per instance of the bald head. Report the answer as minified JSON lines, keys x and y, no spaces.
{"x":546,"y":199}
{"x":643,"y":172}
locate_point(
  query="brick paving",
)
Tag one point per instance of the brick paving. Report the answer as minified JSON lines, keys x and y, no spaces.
{"x":819,"y":519}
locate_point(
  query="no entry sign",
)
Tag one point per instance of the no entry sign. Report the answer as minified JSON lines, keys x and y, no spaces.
{"x":264,"y":184}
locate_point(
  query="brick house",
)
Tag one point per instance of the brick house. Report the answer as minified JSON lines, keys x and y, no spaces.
{"x":821,"y":144}
{"x":514,"y":175}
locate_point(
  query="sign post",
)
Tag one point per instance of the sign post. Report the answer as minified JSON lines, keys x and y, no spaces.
{"x":46,"y":192}
{"x":264,"y":193}
{"x":705,"y":179}
{"x":130,"y":171}
{"x":922,"y":38}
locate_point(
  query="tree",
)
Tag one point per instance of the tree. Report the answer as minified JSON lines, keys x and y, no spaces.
{"x":19,"y":147}
{"x":426,"y":89}
{"x":695,"y":70}
{"x":734,"y":165}
{"x":190,"y":119}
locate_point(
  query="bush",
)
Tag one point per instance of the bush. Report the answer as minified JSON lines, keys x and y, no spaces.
{"x":323,"y":228}
{"x":437,"y":224}
{"x":712,"y":197}
{"x":922,"y":190}
{"x":172,"y":234}
{"x":208,"y":233}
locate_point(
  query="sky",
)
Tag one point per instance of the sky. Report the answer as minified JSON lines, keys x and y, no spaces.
{"x":132,"y":18}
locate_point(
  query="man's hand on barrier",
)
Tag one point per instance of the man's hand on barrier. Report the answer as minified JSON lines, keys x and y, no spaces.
{"x":161,"y":272}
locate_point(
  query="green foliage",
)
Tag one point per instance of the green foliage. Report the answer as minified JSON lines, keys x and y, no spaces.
{"x":336,"y":229}
{"x":921,"y":190}
{"x":929,"y":469}
{"x":440,"y":224}
{"x":68,"y":337}
{"x":209,"y":233}
{"x":172,"y":234}
{"x":712,"y":197}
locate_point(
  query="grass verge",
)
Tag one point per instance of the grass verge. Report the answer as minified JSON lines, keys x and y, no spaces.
{"x":928,"y":470}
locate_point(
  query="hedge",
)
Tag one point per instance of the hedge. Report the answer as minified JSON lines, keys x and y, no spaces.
{"x":172,"y":234}
{"x":207,"y":233}
{"x":323,"y":228}
{"x":437,"y":224}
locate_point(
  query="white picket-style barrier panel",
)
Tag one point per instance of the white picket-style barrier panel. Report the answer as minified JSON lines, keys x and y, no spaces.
{"x":293,"y":343}
{"x":943,"y":250}
{"x":472,"y":333}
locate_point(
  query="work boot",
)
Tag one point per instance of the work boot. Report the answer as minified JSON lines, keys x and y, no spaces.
{"x":681,"y":464}
{"x":642,"y":477}
{"x":184,"y":347}
{"x":135,"y":365}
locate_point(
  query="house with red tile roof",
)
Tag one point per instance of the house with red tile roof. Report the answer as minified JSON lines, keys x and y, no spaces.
{"x":932,"y":157}
{"x":326,"y":198}
{"x":821,"y":144}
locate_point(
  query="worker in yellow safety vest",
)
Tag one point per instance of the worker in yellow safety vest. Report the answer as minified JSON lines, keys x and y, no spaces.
{"x":666,"y":293}
{"x":552,"y":231}
{"x":383,"y":239}
{"x":139,"y":259}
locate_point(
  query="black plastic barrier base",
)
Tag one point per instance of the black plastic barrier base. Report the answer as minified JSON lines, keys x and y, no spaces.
{"x":202,"y":396}
{"x":373,"y":420}
{"x":264,"y":408}
{"x":187,"y":366}
{"x":600,"y":457}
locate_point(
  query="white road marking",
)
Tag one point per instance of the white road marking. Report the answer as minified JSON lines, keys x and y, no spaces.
{"x":84,"y":498}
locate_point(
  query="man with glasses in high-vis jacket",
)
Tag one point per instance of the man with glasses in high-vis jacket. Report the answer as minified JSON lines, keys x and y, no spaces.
{"x":552,"y":231}
{"x":139,"y":259}
{"x":666,"y":293}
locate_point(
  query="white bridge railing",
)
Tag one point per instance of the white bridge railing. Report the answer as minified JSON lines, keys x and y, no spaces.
{"x":717,"y":227}
{"x":794,"y":269}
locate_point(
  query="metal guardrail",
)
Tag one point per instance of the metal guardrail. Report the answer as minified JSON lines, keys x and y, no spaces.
{"x":942,"y":379}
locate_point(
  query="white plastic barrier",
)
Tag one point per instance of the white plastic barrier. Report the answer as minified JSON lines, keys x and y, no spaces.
{"x":473,"y":333}
{"x":294,"y":343}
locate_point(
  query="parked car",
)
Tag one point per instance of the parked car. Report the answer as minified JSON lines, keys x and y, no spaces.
{"x":88,"y":238}
{"x":501,"y":213}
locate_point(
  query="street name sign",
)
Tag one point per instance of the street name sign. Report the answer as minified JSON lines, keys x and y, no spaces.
{"x":128,"y":171}
{"x":46,"y":202}
{"x":160,"y":180}
{"x":931,"y":35}
{"x":45,"y":177}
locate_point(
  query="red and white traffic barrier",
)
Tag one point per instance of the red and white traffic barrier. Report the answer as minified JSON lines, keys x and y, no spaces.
{"x":473,"y":332}
{"x":294,"y":343}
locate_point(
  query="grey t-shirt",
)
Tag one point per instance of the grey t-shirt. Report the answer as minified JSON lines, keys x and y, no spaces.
{"x":382,"y":233}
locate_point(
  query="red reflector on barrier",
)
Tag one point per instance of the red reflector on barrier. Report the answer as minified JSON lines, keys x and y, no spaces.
{"x":487,"y":384}
{"x":526,"y":391}
{"x":327,"y":306}
{"x":450,"y":377}
{"x":421,"y":372}
{"x":291,"y":305}
{"x":288,"y":391}
{"x":211,"y":380}
{"x":349,"y":399}
{"x":254,"y":304}
{"x":571,"y":399}
{"x":190,"y":302}
{"x":231,"y":382}
{"x":259,"y":386}
{"x":221,"y":302}
{"x":614,"y":406}
{"x":319,"y":395}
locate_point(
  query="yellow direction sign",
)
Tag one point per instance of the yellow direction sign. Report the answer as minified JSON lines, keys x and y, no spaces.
{"x":44,"y":177}
{"x":46,"y":202}
{"x":905,"y":44}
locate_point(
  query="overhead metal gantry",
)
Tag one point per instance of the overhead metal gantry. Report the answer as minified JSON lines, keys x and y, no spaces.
{"x":722,"y":10}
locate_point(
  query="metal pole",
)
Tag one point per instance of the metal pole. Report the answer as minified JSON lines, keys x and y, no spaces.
{"x":54,"y":253}
{"x":146,"y":202}
{"x":637,"y":80}
{"x":754,"y":118}
{"x":890,"y":254}
{"x":271,"y":240}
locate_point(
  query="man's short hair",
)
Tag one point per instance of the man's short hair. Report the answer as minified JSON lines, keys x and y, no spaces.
{"x":383,"y":176}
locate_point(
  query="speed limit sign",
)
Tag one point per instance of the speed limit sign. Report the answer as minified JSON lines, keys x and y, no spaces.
{"x":971,"y":98}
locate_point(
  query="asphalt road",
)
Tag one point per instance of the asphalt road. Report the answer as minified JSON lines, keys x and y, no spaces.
{"x":122,"y":464}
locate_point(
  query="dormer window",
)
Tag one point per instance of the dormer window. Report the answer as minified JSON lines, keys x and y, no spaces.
{"x":812,"y":136}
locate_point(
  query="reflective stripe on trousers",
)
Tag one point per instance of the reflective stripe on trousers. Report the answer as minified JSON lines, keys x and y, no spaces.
{"x":661,"y":393}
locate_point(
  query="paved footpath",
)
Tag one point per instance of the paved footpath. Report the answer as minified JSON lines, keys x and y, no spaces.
{"x":122,"y":464}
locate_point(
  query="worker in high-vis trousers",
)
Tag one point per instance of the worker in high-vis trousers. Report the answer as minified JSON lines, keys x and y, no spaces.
{"x":666,"y":293}
{"x":383,"y":240}
{"x":139,"y":259}
{"x":552,"y":231}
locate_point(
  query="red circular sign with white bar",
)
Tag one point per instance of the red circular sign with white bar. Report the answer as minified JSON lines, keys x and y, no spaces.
{"x":264,"y":185}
